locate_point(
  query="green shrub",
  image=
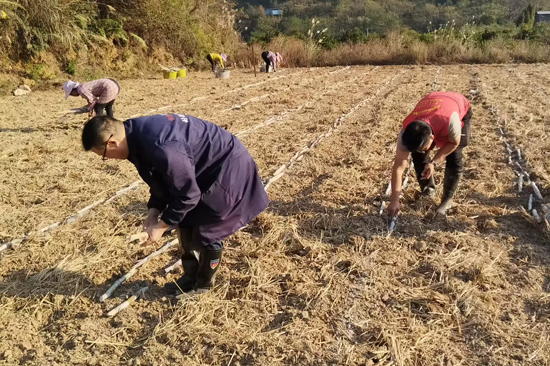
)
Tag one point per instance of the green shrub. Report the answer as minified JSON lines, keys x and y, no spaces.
{"x":71,"y":67}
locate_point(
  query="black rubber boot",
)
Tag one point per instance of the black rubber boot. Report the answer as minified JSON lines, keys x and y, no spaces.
{"x":190,"y":263}
{"x":210,"y":261}
{"x":449,"y":187}
{"x":427,"y":186}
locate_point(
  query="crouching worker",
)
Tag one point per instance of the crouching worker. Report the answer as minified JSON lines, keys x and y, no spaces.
{"x":216,"y":60}
{"x":440,"y":119}
{"x":271,"y":59}
{"x":100,"y":94}
{"x":202,"y":179}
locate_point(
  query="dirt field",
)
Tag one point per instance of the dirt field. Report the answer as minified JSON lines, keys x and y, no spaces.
{"x":315,"y":280}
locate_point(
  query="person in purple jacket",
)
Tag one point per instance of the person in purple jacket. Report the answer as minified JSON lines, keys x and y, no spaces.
{"x":202,"y":179}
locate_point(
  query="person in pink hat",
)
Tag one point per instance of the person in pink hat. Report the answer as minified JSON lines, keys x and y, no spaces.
{"x":100,"y":94}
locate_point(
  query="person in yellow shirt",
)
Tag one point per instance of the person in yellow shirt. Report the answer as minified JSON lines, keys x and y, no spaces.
{"x":216,"y":59}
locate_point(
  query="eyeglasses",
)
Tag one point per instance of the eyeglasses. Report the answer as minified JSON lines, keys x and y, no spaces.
{"x":105,"y":151}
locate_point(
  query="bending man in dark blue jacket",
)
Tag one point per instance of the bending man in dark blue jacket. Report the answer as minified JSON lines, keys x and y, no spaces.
{"x":202,"y":179}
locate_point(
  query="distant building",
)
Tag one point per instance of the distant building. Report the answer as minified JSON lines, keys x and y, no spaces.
{"x":274,"y":12}
{"x":542,"y":16}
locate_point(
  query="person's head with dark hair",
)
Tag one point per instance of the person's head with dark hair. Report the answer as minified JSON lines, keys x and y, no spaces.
{"x":106,"y":137}
{"x":418,"y":136}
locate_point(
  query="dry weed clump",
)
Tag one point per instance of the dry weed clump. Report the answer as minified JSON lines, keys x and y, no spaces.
{"x":398,"y":49}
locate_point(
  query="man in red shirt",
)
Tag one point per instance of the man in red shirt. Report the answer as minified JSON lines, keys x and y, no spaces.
{"x":440,"y":119}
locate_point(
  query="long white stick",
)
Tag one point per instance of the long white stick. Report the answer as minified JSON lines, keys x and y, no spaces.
{"x":123,"y":191}
{"x":255,"y":99}
{"x":134,"y":269}
{"x":382,"y":207}
{"x":127,"y":303}
{"x":388,"y":190}
{"x":12,"y":244}
{"x":536,"y":190}
{"x":173,"y":266}
{"x":405,"y":182}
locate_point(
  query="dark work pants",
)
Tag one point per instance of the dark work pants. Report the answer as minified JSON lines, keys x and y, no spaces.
{"x":99,"y":108}
{"x":188,"y":244}
{"x":209,"y":58}
{"x":267,"y":61}
{"x":454,"y":164}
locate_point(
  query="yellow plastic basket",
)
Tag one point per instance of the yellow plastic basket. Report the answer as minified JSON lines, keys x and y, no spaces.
{"x":182,"y":73}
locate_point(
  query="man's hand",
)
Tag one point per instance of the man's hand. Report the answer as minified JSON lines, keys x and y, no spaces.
{"x":152,"y":218}
{"x":394,"y":207}
{"x":155,"y":231}
{"x":428,"y":171}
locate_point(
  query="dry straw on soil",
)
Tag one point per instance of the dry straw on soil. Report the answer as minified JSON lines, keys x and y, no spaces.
{"x":314,"y":280}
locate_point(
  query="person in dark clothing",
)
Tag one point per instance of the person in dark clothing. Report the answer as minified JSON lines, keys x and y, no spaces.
{"x":443,"y":120}
{"x":266,"y":60}
{"x":202,"y":179}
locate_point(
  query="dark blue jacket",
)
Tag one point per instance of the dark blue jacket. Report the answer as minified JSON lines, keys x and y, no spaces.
{"x":198,"y":173}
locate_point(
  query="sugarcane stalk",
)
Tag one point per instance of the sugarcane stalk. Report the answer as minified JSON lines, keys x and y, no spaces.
{"x":89,"y":207}
{"x":123,"y":191}
{"x":127,"y":303}
{"x":536,"y":190}
{"x":382,"y":207}
{"x":388,"y":190}
{"x":49,"y":227}
{"x":12,"y":244}
{"x":134,"y":269}
{"x":530,"y":203}
{"x":115,"y":285}
{"x":520,"y":183}
{"x":173,"y":266}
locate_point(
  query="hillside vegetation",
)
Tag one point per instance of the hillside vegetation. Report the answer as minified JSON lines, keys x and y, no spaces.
{"x":396,"y":31}
{"x":42,"y":38}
